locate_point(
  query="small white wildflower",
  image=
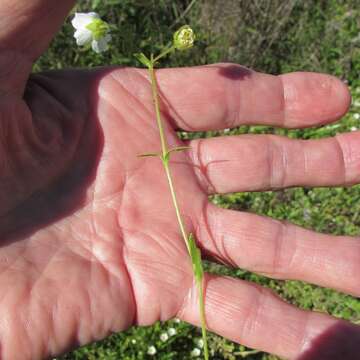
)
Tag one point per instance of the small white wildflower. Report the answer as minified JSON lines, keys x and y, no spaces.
{"x":184,"y":38}
{"x":356,"y":103}
{"x":151,"y":350}
{"x":164,"y":337}
{"x":177,"y":320}
{"x":353,"y":128}
{"x":172,"y":331}
{"x":356,"y":116}
{"x":199,"y":343}
{"x":133,"y":341}
{"x":90,"y":29}
{"x":226,"y":131}
{"x":195,"y":352}
{"x":306,"y":214}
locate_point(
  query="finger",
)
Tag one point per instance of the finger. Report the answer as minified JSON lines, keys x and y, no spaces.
{"x":280,"y":250}
{"x":26,"y":28}
{"x":226,"y":95}
{"x":260,"y":162}
{"x":253,"y":316}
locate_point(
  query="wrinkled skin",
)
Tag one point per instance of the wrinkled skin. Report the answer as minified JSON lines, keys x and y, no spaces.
{"x":89,"y":238}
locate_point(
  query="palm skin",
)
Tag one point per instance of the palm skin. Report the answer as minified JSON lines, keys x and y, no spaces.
{"x":90,"y":242}
{"x":95,"y":257}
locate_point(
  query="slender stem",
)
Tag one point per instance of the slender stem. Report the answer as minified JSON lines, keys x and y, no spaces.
{"x":165,"y":161}
{"x":164,"y":53}
{"x":174,"y":198}
{"x":164,"y":150}
{"x":200,"y":285}
{"x":157,"y":108}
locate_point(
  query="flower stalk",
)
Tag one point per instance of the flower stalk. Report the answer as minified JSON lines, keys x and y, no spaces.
{"x":183,"y":39}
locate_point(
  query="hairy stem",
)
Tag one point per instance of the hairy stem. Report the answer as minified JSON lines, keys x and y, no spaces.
{"x":167,"y":51}
{"x":175,"y":202}
{"x":200,"y":286}
{"x":165,"y":155}
{"x":164,"y":151}
{"x":155,"y":95}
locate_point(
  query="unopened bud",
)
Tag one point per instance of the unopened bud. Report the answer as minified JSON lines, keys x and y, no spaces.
{"x":184,"y":38}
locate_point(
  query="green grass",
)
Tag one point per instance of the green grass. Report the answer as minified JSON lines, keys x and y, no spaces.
{"x":313,"y":35}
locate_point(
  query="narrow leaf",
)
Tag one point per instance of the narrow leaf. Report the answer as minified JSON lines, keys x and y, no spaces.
{"x":166,"y":157}
{"x":149,"y":155}
{"x":143,"y":59}
{"x":196,"y":258}
{"x":179,"y":148}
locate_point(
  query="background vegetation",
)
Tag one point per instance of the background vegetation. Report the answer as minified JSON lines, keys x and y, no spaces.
{"x":272,"y":36}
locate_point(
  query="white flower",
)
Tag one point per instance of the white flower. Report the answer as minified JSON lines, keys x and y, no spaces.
{"x":90,"y":29}
{"x":176,"y":319}
{"x":164,"y":337}
{"x":151,"y":350}
{"x":195,"y":352}
{"x":200,"y":343}
{"x":353,"y":128}
{"x":172,"y":331}
{"x":356,"y":116}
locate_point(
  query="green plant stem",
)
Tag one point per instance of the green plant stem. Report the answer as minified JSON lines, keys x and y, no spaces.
{"x":165,"y":160}
{"x":200,"y":286}
{"x":155,"y":96}
{"x":164,"y":151}
{"x":175,"y":202}
{"x":167,"y":51}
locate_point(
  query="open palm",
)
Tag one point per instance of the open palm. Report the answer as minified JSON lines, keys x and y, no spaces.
{"x":89,"y":238}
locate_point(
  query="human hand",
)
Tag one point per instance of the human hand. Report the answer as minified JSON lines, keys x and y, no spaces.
{"x":89,"y":239}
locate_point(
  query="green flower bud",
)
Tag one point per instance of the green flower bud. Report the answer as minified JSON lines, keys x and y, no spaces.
{"x":184,"y":38}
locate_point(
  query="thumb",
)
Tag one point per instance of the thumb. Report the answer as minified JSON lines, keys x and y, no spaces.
{"x":26,"y":28}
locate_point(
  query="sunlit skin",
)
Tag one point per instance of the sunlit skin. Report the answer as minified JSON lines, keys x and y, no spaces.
{"x":89,"y":239}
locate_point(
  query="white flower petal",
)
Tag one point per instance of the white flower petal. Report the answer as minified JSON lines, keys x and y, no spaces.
{"x":81,"y":20}
{"x":195,"y":352}
{"x":200,"y":343}
{"x":100,"y":45}
{"x":83,"y":37}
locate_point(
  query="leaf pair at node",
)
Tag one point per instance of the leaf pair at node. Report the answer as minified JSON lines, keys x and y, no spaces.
{"x":166,"y":157}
